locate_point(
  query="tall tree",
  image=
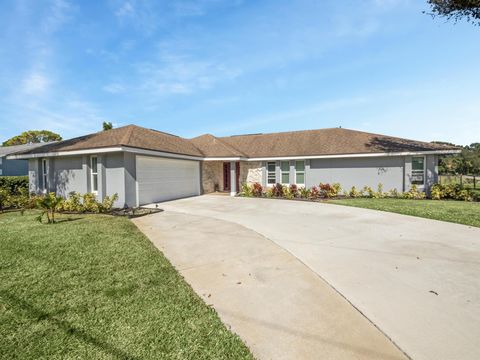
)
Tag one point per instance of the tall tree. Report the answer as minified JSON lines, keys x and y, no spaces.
{"x":33,"y":136}
{"x":456,"y":9}
{"x":107,"y":126}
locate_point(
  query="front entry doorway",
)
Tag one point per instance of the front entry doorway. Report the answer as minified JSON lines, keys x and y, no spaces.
{"x":227,"y":183}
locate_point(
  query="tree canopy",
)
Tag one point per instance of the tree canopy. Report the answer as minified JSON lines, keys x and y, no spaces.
{"x":456,"y":9}
{"x":107,"y":126}
{"x":32,"y":136}
{"x":465,"y":163}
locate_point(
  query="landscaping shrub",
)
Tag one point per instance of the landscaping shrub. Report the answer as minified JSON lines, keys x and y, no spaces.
{"x":379,"y":193}
{"x":247,"y":190}
{"x":305,"y":193}
{"x":414,"y":194}
{"x":329,"y":191}
{"x":354,"y":193}
{"x":278,"y":190}
{"x":14,"y":184}
{"x":257,"y":190}
{"x":451,"y":191}
{"x":5,"y":199}
{"x":294,"y":190}
{"x":315,"y":192}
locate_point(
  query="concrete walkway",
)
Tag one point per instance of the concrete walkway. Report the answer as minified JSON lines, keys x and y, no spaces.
{"x":279,"y":307}
{"x":418,"y":280}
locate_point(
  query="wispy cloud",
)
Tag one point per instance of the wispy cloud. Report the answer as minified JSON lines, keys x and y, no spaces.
{"x":114,"y":88}
{"x":58,"y":14}
{"x":126,"y":10}
{"x":35,"y":84}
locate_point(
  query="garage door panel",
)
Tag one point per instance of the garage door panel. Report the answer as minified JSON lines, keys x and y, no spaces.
{"x":161,"y":179}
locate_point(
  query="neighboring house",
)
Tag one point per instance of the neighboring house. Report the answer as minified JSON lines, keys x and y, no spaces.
{"x":144,"y":166}
{"x":14,"y":167}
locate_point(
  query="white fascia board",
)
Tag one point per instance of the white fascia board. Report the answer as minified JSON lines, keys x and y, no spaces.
{"x":66,"y":153}
{"x":160,"y":153}
{"x":225,"y":159}
{"x":360,"y":155}
{"x":106,"y":150}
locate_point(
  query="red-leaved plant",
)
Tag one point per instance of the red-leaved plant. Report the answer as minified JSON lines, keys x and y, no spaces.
{"x":257,"y":190}
{"x":278,"y":190}
{"x":294,"y":190}
{"x":315,"y":192}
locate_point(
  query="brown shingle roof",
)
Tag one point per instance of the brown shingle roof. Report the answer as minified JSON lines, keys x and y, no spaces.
{"x":333,"y":141}
{"x":130,"y":135}
{"x":213,"y":146}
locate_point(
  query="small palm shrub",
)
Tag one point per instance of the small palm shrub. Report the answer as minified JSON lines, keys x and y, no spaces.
{"x":50,"y":204}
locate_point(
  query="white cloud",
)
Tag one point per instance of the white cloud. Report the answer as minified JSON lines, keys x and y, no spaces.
{"x":59,"y":13}
{"x":114,"y":88}
{"x":126,"y":10}
{"x":35,"y":84}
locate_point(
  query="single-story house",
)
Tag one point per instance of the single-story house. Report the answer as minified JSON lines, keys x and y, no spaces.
{"x":14,"y":167}
{"x":145,"y":166}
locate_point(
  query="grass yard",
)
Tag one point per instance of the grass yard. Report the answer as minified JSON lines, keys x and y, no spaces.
{"x":94,"y":287}
{"x":460,"y":212}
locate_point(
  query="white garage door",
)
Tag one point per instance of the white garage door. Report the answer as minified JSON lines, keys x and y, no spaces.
{"x":161,"y":179}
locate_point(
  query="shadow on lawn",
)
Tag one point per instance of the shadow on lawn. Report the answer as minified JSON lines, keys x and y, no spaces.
{"x":67,"y":327}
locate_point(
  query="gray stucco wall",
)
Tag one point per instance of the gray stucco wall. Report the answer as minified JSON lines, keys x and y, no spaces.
{"x":357,"y":172}
{"x":13,"y":167}
{"x":69,"y":174}
{"x":116,"y":174}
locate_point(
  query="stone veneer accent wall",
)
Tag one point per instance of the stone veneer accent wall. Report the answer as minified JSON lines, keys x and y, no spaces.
{"x":212,"y":173}
{"x":250,"y":172}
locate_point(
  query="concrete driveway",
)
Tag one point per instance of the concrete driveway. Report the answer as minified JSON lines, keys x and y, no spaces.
{"x":416,"y":280}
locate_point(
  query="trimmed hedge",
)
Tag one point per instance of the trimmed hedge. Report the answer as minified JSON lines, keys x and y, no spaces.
{"x":14,"y":183}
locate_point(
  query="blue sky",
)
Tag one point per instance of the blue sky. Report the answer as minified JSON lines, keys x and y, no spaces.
{"x":231,"y":67}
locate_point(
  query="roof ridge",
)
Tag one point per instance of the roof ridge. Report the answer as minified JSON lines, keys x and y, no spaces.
{"x":228,"y":146}
{"x":128,"y":134}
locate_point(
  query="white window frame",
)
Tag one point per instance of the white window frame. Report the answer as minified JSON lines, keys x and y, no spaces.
{"x":287,"y":172}
{"x":418,"y":171}
{"x":301,"y":172}
{"x":269,"y":173}
{"x":44,"y":175}
{"x":93,"y":174}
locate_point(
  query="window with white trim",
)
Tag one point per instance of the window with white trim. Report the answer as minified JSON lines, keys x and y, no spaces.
{"x":271,"y":178}
{"x":44,"y":174}
{"x":94,"y":173}
{"x":285,"y":169}
{"x":418,"y":170}
{"x":300,"y":172}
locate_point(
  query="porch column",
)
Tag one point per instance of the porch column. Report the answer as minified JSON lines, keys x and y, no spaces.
{"x":233,"y":178}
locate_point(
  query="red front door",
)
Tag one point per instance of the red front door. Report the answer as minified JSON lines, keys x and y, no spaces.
{"x":226,"y":176}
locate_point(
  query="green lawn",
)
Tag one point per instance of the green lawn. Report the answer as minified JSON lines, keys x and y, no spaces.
{"x":461,"y":212}
{"x":95,"y":288}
